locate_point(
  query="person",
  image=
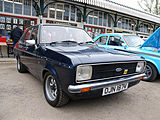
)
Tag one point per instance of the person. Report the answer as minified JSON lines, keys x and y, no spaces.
{"x":16,"y":35}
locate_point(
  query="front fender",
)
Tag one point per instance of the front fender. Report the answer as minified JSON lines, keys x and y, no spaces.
{"x":154,"y":61}
{"x":49,"y":68}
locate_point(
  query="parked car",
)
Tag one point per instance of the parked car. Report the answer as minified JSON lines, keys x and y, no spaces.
{"x":134,"y":44}
{"x":70,"y":68}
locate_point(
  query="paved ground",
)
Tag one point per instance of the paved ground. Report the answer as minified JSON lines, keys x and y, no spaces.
{"x":21,"y":98}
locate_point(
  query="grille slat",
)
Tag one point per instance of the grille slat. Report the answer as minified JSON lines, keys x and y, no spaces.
{"x":109,"y":70}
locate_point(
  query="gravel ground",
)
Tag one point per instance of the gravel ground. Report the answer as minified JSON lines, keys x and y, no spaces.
{"x":21,"y":98}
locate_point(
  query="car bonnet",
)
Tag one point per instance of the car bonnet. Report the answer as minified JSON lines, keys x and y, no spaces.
{"x":153,"y":41}
{"x":93,"y":54}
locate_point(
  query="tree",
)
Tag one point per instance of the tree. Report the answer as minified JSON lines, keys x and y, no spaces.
{"x":151,"y":6}
{"x":157,"y":10}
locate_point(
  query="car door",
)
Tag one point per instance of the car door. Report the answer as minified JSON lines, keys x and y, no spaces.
{"x":30,"y":51}
{"x":101,"y":41}
{"x":22,"y":46}
{"x":116,"y":42}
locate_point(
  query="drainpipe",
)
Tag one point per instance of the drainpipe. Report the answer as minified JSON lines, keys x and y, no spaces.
{"x":41,"y":10}
{"x":115,"y":21}
{"x":137,"y":26}
{"x":154,"y":28}
{"x":84,"y":16}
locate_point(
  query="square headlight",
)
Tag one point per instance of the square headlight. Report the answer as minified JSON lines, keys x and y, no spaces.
{"x":84,"y":72}
{"x":140,"y":67}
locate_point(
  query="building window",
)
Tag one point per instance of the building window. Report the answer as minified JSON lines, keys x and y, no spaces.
{"x":35,"y":10}
{"x":79,"y":15}
{"x":2,"y":26}
{"x":133,"y":25}
{"x":52,"y":11}
{"x":95,"y":18}
{"x":151,"y":30}
{"x":141,"y":28}
{"x":130,"y":25}
{"x":1,"y":5}
{"x":45,"y":12}
{"x":2,"y":19}
{"x":119,"y":23}
{"x":123,"y":24}
{"x":66,"y":12}
{"x":90,"y":18}
{"x":109,"y":21}
{"x":146,"y":28}
{"x":18,"y":6}
{"x":126,"y":24}
{"x":100,"y":18}
{"x":27,"y":7}
{"x":59,"y":11}
{"x":8,"y":6}
{"x":72,"y":13}
{"x":105,"y":20}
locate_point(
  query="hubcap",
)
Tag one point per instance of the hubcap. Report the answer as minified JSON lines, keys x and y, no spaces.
{"x":148,"y":72}
{"x":51,"y":88}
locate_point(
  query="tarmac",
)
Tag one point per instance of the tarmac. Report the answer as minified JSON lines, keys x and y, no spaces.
{"x":22,"y":98}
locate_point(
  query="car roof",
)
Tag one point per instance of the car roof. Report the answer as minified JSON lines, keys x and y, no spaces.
{"x":121,"y":34}
{"x":61,"y":25}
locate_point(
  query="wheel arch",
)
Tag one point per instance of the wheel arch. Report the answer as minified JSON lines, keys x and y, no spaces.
{"x":154,"y":64}
{"x":49,"y":69}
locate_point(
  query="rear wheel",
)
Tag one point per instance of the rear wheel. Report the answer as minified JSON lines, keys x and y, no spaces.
{"x":20,"y":67}
{"x":151,"y":73}
{"x":53,"y":91}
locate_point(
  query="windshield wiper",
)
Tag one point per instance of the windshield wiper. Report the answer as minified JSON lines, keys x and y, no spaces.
{"x":92,"y":42}
{"x":54,"y":42}
{"x":60,"y":42}
{"x":68,"y":41}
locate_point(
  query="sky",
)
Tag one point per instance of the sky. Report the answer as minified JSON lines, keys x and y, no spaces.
{"x":130,"y":3}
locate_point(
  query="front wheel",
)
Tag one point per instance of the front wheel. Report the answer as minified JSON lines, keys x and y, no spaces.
{"x":53,"y":91}
{"x":151,"y":73}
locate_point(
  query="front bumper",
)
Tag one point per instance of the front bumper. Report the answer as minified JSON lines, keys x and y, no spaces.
{"x":103,"y":84}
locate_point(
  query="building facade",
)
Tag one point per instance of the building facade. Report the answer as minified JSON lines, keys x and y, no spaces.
{"x":93,"y":15}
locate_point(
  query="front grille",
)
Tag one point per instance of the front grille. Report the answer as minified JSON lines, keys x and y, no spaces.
{"x":109,"y":70}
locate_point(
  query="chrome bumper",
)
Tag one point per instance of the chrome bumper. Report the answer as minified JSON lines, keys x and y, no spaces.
{"x":103,"y":84}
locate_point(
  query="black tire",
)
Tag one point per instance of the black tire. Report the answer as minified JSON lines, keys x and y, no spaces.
{"x":60,"y":98}
{"x":20,"y":67}
{"x":151,"y":73}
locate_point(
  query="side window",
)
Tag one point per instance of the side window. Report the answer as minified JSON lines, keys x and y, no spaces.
{"x":115,"y":41}
{"x":28,"y":34}
{"x":34,"y":34}
{"x":102,"y":40}
{"x":31,"y":35}
{"x":25,"y":37}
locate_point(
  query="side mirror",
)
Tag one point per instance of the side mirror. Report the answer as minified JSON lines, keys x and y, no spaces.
{"x":123,"y":44}
{"x":30,"y":42}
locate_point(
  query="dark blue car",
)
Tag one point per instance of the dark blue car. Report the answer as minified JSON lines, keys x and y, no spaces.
{"x":72,"y":68}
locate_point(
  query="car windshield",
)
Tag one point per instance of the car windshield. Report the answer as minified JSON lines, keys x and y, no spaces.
{"x":133,"y":40}
{"x":58,"y":34}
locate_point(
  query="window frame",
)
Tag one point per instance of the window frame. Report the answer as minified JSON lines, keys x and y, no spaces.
{"x":23,"y":40}
{"x":100,"y":38}
{"x":115,"y":36}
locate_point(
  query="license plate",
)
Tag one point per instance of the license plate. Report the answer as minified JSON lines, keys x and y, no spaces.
{"x":114,"y":89}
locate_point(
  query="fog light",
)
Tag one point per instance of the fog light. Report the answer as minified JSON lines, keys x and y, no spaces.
{"x":85,"y":89}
